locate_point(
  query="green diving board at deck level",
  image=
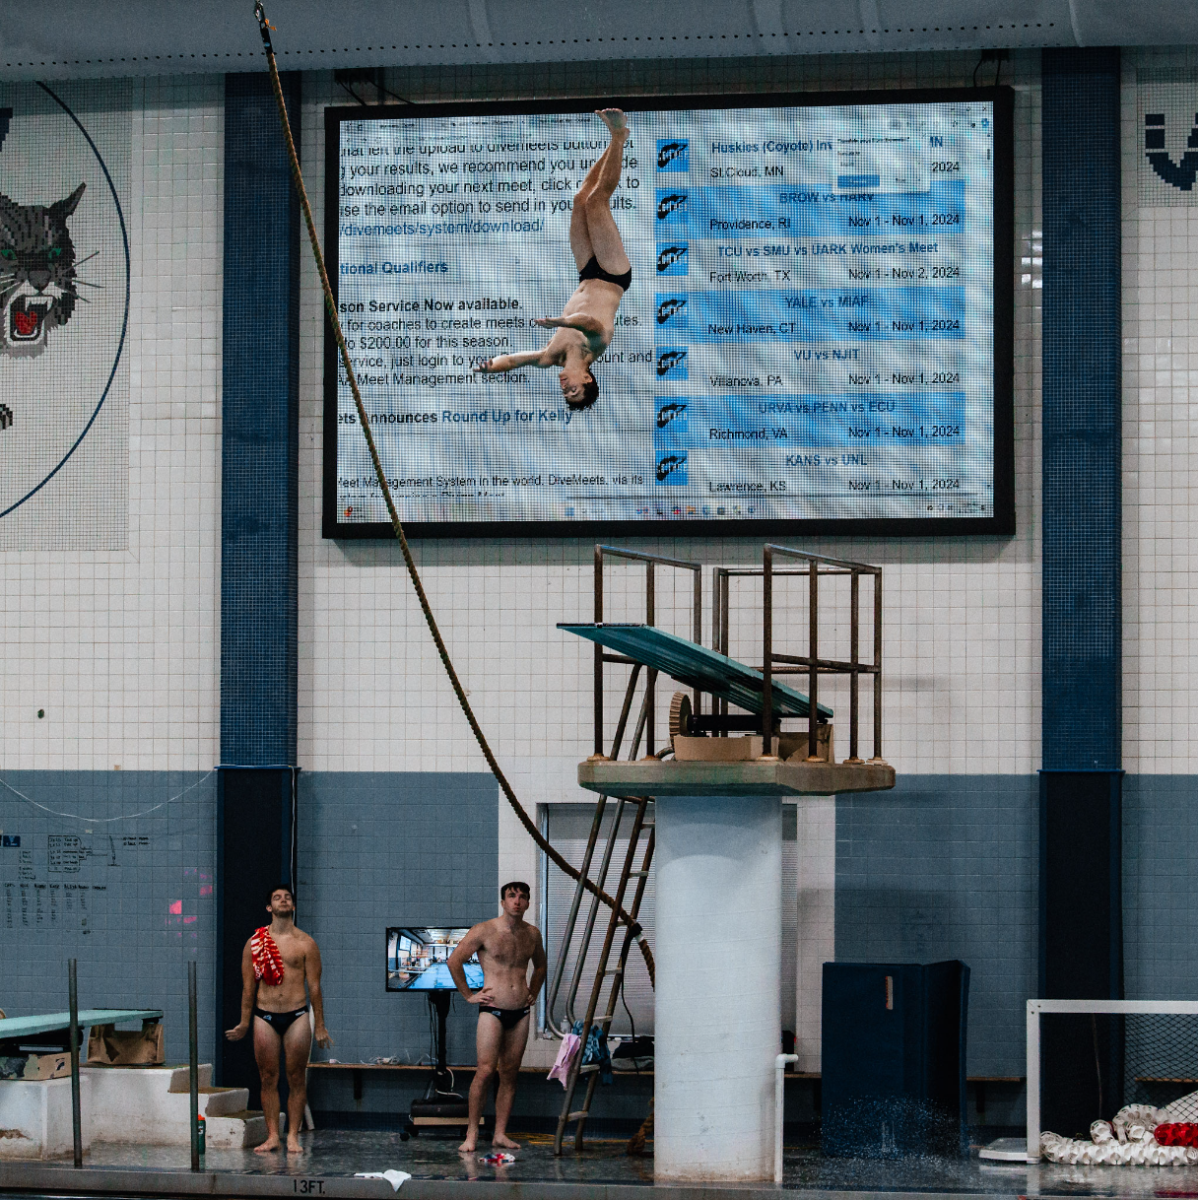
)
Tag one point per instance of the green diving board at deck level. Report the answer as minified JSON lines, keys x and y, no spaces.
{"x":23,"y":1027}
{"x":695,"y":666}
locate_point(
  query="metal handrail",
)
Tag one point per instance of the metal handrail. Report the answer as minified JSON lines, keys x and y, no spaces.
{"x":815,"y":568}
{"x":854,"y":668}
{"x":651,"y":561}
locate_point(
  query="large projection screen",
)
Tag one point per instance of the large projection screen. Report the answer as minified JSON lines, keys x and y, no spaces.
{"x":817,"y":337}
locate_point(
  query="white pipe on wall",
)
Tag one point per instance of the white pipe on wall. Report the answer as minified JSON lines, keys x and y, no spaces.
{"x":780,"y":1108}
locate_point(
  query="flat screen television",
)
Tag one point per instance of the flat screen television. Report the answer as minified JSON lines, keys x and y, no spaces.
{"x":818,"y":336}
{"x":417,"y":958}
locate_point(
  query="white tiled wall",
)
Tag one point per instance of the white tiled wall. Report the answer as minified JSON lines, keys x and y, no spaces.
{"x":121,"y":649}
{"x":1160,"y":369}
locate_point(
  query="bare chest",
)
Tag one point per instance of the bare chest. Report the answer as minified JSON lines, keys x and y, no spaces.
{"x":514,"y":948}
{"x":599,"y":300}
{"x":293,"y":951}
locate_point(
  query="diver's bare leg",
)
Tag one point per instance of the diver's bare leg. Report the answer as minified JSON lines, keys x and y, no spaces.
{"x":297,"y":1046}
{"x":580,"y":238}
{"x":267,"y":1045}
{"x":510,"y":1057}
{"x":602,"y":233}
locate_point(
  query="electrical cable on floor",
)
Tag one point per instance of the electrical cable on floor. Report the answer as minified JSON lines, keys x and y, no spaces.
{"x":264,"y":28}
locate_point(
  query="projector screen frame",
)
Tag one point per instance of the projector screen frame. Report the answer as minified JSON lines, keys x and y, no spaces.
{"x":1001,"y":523}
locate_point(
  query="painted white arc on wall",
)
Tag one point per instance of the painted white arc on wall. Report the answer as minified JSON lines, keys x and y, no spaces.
{"x":719,"y":954}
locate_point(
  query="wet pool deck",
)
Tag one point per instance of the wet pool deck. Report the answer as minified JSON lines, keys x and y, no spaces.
{"x":602,"y":1172}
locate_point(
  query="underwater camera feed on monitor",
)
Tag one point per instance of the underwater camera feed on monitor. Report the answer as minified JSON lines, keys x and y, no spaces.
{"x":418,"y":956}
{"x":798,"y":311}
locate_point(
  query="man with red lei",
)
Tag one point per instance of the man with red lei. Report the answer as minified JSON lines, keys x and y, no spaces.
{"x":279,"y":964}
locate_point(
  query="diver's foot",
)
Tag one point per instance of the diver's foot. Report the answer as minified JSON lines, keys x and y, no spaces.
{"x":293,"y":1145}
{"x":613,"y":118}
{"x":504,"y":1142}
{"x":269,"y":1146}
{"x":468,"y":1146}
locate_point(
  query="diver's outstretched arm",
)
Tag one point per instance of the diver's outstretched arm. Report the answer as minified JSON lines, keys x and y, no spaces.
{"x":574,"y":321}
{"x":509,"y":362}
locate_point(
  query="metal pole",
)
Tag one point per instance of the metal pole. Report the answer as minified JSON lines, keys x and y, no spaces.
{"x":725,"y":594}
{"x":1033,"y":1082}
{"x":767,"y":655}
{"x":76,"y":1113}
{"x":651,"y":678}
{"x":878,"y":664}
{"x":813,"y":650}
{"x":193,"y":1066}
{"x":598,"y":654}
{"x":697,"y":628}
{"x":855,"y":678}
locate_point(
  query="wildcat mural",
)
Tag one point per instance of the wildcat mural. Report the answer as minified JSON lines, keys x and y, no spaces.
{"x":64,"y":163}
{"x":38,"y":286}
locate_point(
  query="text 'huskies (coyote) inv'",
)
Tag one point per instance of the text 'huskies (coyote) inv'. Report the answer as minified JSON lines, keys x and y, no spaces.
{"x":64,"y":308}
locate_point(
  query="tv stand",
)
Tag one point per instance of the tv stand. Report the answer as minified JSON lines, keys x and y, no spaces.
{"x":441,"y":1107}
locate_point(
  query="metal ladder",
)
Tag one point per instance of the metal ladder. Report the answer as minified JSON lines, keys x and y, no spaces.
{"x":641,"y":832}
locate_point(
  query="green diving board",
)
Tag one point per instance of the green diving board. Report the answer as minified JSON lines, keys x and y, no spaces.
{"x":15,"y":1028}
{"x":695,"y":666}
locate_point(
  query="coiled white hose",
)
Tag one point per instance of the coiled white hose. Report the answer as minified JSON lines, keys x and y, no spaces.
{"x":1127,"y":1140}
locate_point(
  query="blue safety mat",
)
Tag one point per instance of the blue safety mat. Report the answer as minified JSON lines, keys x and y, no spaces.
{"x":695,"y":666}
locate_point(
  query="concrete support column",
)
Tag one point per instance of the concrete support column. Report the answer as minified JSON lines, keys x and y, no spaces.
{"x":719,"y":956}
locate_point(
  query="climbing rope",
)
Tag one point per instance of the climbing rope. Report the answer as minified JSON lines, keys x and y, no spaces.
{"x":297,"y":176}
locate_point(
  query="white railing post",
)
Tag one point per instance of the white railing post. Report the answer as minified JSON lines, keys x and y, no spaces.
{"x":1033,"y":1081}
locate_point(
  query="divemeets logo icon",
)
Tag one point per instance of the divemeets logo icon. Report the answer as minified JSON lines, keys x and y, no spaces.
{"x":671,"y":362}
{"x":671,"y":311}
{"x":673,"y":258}
{"x":671,"y":469}
{"x":671,"y":415}
{"x":673,"y":154}
{"x":671,"y":206}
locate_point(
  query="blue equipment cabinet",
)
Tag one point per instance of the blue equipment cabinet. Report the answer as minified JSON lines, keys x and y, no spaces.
{"x":894,"y":1058}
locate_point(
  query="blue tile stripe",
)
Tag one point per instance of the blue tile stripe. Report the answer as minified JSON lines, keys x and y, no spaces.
{"x":260,"y":428}
{"x":1082,"y":444}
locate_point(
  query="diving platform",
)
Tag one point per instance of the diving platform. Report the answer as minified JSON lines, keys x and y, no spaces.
{"x":738,"y":740}
{"x":697,"y":667}
{"x":748,"y":778}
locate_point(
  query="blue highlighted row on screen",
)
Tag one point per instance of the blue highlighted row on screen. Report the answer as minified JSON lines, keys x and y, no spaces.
{"x":846,"y":421}
{"x":812,"y":314}
{"x":806,"y":211}
{"x":437,"y":978}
